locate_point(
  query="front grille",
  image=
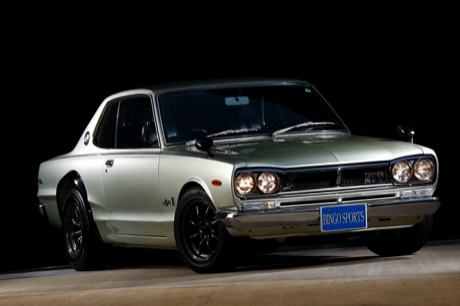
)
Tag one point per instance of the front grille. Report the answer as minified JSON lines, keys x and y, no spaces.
{"x":306,"y":180}
{"x":335,"y":177}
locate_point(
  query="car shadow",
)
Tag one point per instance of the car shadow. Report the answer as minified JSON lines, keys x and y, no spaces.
{"x":125,"y":258}
{"x":280,"y":262}
{"x":154,"y":259}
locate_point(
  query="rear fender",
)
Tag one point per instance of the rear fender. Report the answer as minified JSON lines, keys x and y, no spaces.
{"x":73,"y":180}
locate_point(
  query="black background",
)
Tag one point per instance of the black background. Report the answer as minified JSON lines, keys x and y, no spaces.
{"x":376,"y":72}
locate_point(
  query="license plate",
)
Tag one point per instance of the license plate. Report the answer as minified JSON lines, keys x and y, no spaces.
{"x":345,"y":217}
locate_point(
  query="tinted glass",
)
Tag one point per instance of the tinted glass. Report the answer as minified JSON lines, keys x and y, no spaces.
{"x":188,"y":115}
{"x":105,"y":133}
{"x":135,"y":123}
{"x":127,"y":123}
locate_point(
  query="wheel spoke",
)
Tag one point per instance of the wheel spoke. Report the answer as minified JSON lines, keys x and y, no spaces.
{"x":200,"y":245}
{"x":195,"y":235}
{"x":211,"y":251}
{"x":198,"y":213}
{"x":76,"y":215}
{"x":76,"y":222}
{"x":76,"y":234}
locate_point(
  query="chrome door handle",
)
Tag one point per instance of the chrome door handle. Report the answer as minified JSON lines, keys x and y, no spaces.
{"x":109,"y":162}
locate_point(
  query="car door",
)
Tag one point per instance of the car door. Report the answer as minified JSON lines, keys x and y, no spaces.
{"x":130,"y":169}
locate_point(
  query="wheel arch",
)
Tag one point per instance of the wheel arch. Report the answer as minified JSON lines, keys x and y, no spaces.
{"x":73,"y":180}
{"x":192,"y":184}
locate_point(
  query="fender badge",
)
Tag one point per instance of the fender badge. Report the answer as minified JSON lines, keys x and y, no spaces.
{"x":167,"y":202}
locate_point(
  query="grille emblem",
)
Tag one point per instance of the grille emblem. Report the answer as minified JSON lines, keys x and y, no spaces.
{"x":373,"y":177}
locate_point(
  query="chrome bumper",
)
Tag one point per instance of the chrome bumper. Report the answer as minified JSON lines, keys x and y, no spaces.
{"x":311,"y":216}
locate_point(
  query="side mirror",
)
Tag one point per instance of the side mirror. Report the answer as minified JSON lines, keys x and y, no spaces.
{"x":205,"y":144}
{"x":406,"y":132}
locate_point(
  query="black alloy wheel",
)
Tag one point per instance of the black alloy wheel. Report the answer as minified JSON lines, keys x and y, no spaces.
{"x":201,"y":231}
{"x":203,"y":243}
{"x":73,"y":236}
{"x":83,"y":248}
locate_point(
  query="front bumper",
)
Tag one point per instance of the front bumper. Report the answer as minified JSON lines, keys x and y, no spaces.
{"x":288,"y":217}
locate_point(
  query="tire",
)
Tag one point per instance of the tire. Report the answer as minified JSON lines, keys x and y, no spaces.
{"x":203,"y":243}
{"x":83,"y":248}
{"x":403,"y":241}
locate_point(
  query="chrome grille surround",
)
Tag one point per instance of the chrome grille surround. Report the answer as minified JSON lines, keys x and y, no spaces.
{"x":343,"y":176}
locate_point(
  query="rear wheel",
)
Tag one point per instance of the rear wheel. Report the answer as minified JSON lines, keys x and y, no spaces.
{"x":203,"y":243}
{"x":83,"y":248}
{"x":402,"y":241}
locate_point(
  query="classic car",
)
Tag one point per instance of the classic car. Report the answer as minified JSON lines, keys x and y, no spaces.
{"x":215,"y":168}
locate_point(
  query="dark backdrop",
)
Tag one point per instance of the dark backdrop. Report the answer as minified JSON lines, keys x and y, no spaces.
{"x":56,"y":81}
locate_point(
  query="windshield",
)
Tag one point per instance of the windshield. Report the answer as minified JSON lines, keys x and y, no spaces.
{"x":253,"y":110}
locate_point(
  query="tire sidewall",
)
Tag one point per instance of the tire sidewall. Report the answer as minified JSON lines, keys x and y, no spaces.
{"x":402,"y":242}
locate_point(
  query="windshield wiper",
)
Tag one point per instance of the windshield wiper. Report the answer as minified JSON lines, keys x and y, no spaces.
{"x":305,"y":124}
{"x":223,"y":133}
{"x":232,"y":132}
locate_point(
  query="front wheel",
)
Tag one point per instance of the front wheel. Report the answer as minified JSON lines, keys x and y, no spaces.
{"x":402,"y":241}
{"x":203,"y":243}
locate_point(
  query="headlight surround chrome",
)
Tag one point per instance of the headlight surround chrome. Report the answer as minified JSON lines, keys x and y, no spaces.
{"x":414,"y":170}
{"x":402,"y":171}
{"x":258,"y":182}
{"x":245,"y":183}
{"x":267,"y":182}
{"x":423,"y":169}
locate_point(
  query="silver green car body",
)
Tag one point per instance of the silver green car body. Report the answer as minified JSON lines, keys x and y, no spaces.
{"x":133,"y":193}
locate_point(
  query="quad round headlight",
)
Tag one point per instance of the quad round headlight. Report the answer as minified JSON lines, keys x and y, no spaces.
{"x":267,"y":182}
{"x":423,"y":169}
{"x":401,"y":171}
{"x":244,"y":183}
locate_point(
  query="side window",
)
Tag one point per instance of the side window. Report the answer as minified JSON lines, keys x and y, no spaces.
{"x":106,"y":127}
{"x":127,"y":123}
{"x":136,"y":128}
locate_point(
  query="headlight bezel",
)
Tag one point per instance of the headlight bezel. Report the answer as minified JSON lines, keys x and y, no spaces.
{"x":246,"y":176}
{"x":403,"y":170}
{"x":256,"y":175}
{"x":426,"y":178}
{"x":412,"y":161}
{"x":268,"y":182}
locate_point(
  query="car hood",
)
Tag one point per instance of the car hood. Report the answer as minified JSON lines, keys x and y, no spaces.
{"x":315,"y":151}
